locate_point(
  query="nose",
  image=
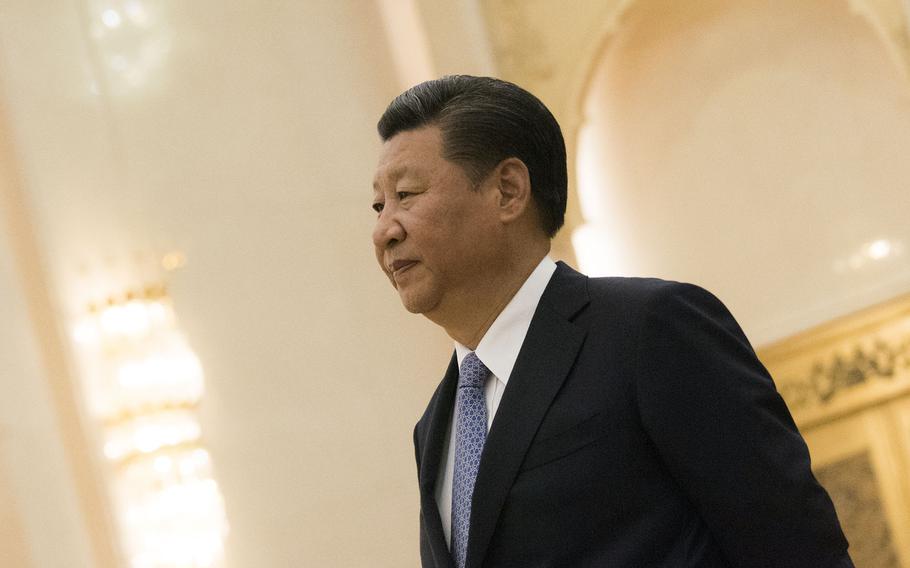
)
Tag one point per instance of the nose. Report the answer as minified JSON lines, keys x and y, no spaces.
{"x":388,"y":230}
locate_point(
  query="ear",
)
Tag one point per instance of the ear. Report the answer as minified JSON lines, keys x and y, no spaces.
{"x":513,"y":189}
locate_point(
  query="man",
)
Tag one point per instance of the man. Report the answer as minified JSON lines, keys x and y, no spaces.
{"x":582,"y":421}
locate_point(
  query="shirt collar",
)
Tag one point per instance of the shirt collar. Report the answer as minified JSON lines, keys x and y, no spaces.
{"x":499,"y":347}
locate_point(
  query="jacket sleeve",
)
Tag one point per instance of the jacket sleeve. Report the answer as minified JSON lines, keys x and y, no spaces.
{"x":727,"y":437}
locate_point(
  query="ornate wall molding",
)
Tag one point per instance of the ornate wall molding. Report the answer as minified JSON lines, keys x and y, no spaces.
{"x":846,"y":365}
{"x":883,"y":361}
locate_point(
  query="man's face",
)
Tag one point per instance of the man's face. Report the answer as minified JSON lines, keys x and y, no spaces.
{"x":435,"y":235}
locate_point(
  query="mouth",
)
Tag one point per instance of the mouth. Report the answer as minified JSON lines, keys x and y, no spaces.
{"x":400,"y":266}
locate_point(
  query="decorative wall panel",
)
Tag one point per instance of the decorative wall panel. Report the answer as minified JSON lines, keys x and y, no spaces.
{"x":847,"y":384}
{"x":851,"y":482}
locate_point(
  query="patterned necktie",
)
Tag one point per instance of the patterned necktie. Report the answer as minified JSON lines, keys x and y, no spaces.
{"x":470,"y":434}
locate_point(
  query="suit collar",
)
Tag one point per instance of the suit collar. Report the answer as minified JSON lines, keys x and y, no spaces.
{"x":432,"y":441}
{"x":544,"y":362}
{"x":500,"y":345}
{"x":567,"y":291}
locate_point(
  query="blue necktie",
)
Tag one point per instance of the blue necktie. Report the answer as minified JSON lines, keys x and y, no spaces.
{"x":470,"y":434}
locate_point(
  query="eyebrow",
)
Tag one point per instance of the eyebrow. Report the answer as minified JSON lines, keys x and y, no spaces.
{"x":396,"y":173}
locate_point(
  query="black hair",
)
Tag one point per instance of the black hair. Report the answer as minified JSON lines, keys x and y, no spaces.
{"x":484,"y":121}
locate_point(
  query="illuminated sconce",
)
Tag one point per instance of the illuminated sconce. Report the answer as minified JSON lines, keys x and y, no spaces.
{"x":143,"y":386}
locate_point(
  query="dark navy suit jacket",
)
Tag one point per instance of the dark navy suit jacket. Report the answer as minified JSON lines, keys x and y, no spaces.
{"x":638,"y":430}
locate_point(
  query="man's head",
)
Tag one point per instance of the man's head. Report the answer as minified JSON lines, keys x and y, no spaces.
{"x":484,"y":121}
{"x":470,"y":186}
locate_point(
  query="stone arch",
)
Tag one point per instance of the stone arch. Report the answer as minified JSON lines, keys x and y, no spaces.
{"x":555,"y":51}
{"x":708,"y":152}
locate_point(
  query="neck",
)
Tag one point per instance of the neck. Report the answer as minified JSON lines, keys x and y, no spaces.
{"x":468,"y":319}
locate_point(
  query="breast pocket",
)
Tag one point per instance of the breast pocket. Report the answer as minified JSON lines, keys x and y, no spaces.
{"x":567,"y":442}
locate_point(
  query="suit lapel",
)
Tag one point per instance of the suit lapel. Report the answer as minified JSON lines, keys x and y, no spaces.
{"x":431,"y":453}
{"x":546,"y":357}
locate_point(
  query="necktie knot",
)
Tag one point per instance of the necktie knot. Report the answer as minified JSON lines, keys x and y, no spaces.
{"x":472,"y":372}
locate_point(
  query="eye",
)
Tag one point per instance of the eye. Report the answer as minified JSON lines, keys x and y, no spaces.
{"x":403,"y":194}
{"x":377,"y":207}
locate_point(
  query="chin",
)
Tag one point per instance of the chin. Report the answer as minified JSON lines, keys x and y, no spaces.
{"x":413,"y":307}
{"x":416,"y":303}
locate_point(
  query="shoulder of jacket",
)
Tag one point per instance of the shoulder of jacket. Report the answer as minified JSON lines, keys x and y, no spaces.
{"x":635,"y":288}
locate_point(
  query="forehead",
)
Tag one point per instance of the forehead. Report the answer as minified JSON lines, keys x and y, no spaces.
{"x":412,"y":152}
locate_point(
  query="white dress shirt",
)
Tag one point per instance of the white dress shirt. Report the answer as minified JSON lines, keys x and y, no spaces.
{"x":498,"y":350}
